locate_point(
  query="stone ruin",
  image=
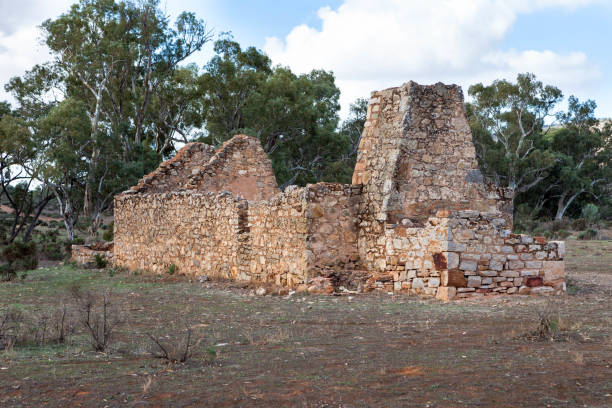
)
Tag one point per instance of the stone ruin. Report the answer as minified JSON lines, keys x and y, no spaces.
{"x":418,"y":217}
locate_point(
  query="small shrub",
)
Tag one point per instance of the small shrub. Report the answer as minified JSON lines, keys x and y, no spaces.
{"x":171,"y":269}
{"x":108,"y":233}
{"x":11,"y":328}
{"x":7,"y":272}
{"x":558,"y":225}
{"x":53,"y":250}
{"x":19,"y":256}
{"x":589,"y":234}
{"x":178,"y":351}
{"x":548,"y":323}
{"x":99,"y":315}
{"x":100,"y":261}
{"x":561,"y":234}
{"x":579,"y":224}
{"x":590,"y":212}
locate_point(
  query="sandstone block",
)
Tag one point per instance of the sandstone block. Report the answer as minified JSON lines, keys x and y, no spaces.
{"x":553,"y":270}
{"x":446,"y":293}
{"x":452,"y":260}
{"x":453,"y":277}
{"x":474,"y":281}
{"x":417,"y":283}
{"x":542,"y":290}
{"x":560,"y":248}
{"x":468,"y":265}
{"x":524,"y":290}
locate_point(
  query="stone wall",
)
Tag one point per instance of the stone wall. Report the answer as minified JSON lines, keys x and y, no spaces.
{"x":466,"y":254}
{"x":298,"y":235}
{"x":172,"y":174}
{"x":200,"y":233}
{"x":278,"y":231}
{"x":417,"y":157}
{"x":86,"y":255}
{"x":241,"y":166}
{"x":419,"y":218}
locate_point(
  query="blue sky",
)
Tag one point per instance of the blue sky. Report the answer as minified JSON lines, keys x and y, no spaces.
{"x":372,"y":45}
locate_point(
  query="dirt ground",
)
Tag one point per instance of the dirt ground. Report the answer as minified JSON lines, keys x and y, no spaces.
{"x":374,"y":350}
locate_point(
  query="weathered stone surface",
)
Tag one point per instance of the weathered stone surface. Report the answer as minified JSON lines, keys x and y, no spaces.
{"x":553,"y":270}
{"x":419,"y":218}
{"x":446,"y":293}
{"x":86,"y":255}
{"x":453,"y":277}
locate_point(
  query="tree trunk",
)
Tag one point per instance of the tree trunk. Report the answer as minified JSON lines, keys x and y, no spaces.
{"x":39,"y":210}
{"x":563,"y":205}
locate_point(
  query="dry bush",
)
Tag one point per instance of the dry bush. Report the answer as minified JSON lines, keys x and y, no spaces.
{"x":550,"y":326}
{"x":99,"y":315}
{"x":177,"y":350}
{"x":12,"y":325}
{"x":54,"y":326}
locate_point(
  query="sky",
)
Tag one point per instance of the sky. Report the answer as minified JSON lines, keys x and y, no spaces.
{"x":372,"y":45}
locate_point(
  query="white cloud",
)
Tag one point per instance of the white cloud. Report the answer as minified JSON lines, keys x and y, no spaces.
{"x":20,"y":47}
{"x":373,"y":45}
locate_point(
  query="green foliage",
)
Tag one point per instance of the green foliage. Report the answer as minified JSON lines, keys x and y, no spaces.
{"x":108,"y":232}
{"x":19,"y":256}
{"x":100,"y":261}
{"x":507,"y":122}
{"x":516,"y":149}
{"x":211,"y":352}
{"x":171,"y":269}
{"x":116,"y":64}
{"x":294,"y":116}
{"x":579,"y":224}
{"x":590,"y":233}
{"x":590,"y":213}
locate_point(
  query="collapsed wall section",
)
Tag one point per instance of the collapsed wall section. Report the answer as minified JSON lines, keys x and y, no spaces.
{"x":171,"y":174}
{"x":241,"y":166}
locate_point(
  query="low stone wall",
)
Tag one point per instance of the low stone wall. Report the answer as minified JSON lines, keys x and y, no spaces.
{"x":85,"y":255}
{"x":492,"y":260}
{"x":466,"y":254}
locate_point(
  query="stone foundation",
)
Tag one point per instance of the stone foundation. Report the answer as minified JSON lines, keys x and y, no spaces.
{"x":85,"y":255}
{"x":418,"y":219}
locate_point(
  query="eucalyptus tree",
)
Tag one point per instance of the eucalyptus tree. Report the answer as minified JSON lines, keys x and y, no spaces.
{"x":114,"y":58}
{"x":584,"y":152}
{"x":295,"y":117}
{"x":508,"y":125}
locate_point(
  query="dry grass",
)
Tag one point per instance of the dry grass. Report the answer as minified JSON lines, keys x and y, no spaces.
{"x":371,"y":351}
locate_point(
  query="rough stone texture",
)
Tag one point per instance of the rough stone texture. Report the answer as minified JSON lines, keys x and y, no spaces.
{"x":200,"y":233}
{"x":418,"y":218}
{"x":172,"y":174}
{"x":240,"y":165}
{"x":85,"y":255}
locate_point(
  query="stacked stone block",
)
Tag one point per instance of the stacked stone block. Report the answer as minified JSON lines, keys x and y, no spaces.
{"x":418,"y":219}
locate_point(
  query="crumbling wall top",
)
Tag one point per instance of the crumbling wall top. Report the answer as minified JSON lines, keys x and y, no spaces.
{"x":417,"y":156}
{"x":240,"y":166}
